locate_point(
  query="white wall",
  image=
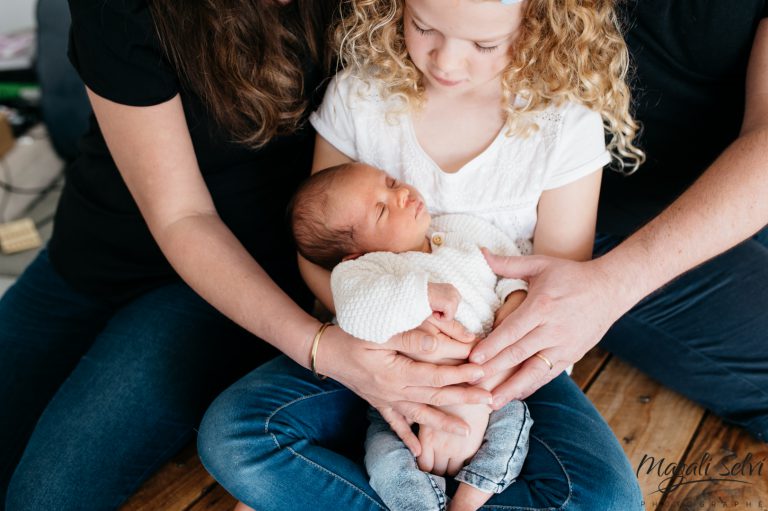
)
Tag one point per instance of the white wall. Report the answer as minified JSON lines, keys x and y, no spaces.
{"x":17,"y":14}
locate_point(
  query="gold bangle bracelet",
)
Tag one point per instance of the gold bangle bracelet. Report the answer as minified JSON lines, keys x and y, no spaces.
{"x":313,"y":352}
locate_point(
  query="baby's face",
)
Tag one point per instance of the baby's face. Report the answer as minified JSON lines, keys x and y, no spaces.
{"x":386,"y":214}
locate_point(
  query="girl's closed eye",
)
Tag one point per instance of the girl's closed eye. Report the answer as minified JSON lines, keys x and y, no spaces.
{"x":429,"y":31}
{"x":420,"y":30}
{"x":485,"y":49}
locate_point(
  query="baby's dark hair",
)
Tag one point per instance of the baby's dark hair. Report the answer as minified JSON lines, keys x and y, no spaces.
{"x":315,"y":239}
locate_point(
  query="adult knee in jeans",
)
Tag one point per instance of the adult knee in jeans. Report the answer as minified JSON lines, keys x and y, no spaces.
{"x":232,"y":450}
{"x":620,"y":491}
{"x":242,"y":438}
{"x":275,"y":427}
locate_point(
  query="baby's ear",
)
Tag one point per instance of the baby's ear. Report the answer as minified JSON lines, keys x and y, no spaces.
{"x":350,"y":257}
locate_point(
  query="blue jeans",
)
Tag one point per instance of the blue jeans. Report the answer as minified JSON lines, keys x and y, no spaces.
{"x":280,"y":439}
{"x":705,"y":334}
{"x":94,"y":396}
{"x":398,"y":481}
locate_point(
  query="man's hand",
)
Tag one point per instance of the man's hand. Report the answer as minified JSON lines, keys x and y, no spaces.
{"x":513,"y":301}
{"x":569,"y":307}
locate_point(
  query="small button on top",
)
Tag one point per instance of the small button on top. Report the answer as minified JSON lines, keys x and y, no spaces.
{"x":437,"y":239}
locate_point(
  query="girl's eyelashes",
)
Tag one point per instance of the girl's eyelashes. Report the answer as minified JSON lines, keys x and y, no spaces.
{"x":422,"y":31}
{"x":485,"y":49}
{"x":478,"y":47}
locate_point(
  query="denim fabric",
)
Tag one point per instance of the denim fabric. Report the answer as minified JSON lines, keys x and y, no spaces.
{"x":279,"y":439}
{"x":500,"y":458}
{"x":397,"y":479}
{"x":394,"y":474}
{"x":93,"y":398}
{"x":705,"y":334}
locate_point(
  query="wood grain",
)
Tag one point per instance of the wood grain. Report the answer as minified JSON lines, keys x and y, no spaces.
{"x":175,"y":487}
{"x":649,"y":421}
{"x":735,"y":463}
{"x":588,"y":368}
{"x":216,"y":500}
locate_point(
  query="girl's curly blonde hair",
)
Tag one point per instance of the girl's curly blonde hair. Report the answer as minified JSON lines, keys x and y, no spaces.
{"x":566,"y":50}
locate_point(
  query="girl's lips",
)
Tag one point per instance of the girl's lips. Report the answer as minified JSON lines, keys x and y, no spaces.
{"x":446,"y":83}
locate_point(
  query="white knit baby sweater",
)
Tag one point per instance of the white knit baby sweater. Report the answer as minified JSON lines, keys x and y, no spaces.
{"x":382,"y":294}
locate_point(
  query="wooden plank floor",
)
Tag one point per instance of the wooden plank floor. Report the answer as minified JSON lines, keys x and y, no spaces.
{"x":685,"y":458}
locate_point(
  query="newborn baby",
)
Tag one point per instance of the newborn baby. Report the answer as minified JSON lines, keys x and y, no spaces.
{"x":387,"y":255}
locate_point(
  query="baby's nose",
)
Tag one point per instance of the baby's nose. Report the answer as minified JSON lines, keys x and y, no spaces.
{"x":403,"y":194}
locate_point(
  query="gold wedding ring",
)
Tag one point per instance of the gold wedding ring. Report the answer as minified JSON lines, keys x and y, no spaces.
{"x":545,"y":359}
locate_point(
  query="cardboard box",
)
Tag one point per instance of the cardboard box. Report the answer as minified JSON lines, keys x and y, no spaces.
{"x":6,"y":136}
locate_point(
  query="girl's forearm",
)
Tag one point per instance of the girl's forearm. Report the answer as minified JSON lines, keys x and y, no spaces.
{"x":318,"y":281}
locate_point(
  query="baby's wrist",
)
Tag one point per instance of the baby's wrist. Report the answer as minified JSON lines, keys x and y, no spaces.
{"x":519,"y":294}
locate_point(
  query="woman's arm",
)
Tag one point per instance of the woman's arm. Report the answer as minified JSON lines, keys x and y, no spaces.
{"x":161,"y":171}
{"x":153,"y":150}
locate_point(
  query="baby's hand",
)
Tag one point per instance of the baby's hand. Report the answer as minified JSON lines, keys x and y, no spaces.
{"x":445,"y":453}
{"x":443,"y":300}
{"x":512,"y":302}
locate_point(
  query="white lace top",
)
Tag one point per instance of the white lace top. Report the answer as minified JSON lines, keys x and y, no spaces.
{"x":502,"y":184}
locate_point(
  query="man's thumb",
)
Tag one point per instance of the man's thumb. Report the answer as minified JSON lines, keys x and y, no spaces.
{"x":514,"y":267}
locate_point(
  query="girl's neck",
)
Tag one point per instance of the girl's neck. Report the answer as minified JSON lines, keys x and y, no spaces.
{"x":454,"y":129}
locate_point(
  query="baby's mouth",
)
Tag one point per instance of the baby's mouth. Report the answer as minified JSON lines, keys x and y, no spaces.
{"x":419,"y":209}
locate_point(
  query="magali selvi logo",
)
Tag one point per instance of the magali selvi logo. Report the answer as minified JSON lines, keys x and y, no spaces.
{"x":672,"y":475}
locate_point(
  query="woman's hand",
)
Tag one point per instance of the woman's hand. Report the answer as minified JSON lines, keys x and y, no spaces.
{"x":569,"y":307}
{"x":402,"y":389}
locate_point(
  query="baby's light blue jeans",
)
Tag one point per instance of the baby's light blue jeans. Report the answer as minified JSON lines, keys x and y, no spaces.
{"x":403,"y":487}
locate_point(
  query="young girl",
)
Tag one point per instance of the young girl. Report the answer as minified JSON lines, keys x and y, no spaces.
{"x":495,"y":109}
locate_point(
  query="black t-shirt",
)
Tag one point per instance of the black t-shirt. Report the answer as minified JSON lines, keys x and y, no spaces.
{"x":691,"y":58}
{"x":101,"y":244}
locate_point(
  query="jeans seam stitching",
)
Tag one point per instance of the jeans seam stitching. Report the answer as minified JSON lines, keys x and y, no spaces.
{"x":290,"y":403}
{"x":567,"y":478}
{"x":501,"y":485}
{"x":440,"y":495}
{"x":334,"y":475}
{"x":304,"y":458}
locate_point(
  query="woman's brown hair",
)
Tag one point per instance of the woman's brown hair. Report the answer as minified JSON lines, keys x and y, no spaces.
{"x":246,"y":59}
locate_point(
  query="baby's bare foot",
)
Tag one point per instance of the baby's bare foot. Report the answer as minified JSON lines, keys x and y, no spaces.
{"x":468,"y":498}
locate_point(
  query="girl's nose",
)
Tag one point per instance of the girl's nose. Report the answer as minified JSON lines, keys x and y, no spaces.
{"x":447,"y":58}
